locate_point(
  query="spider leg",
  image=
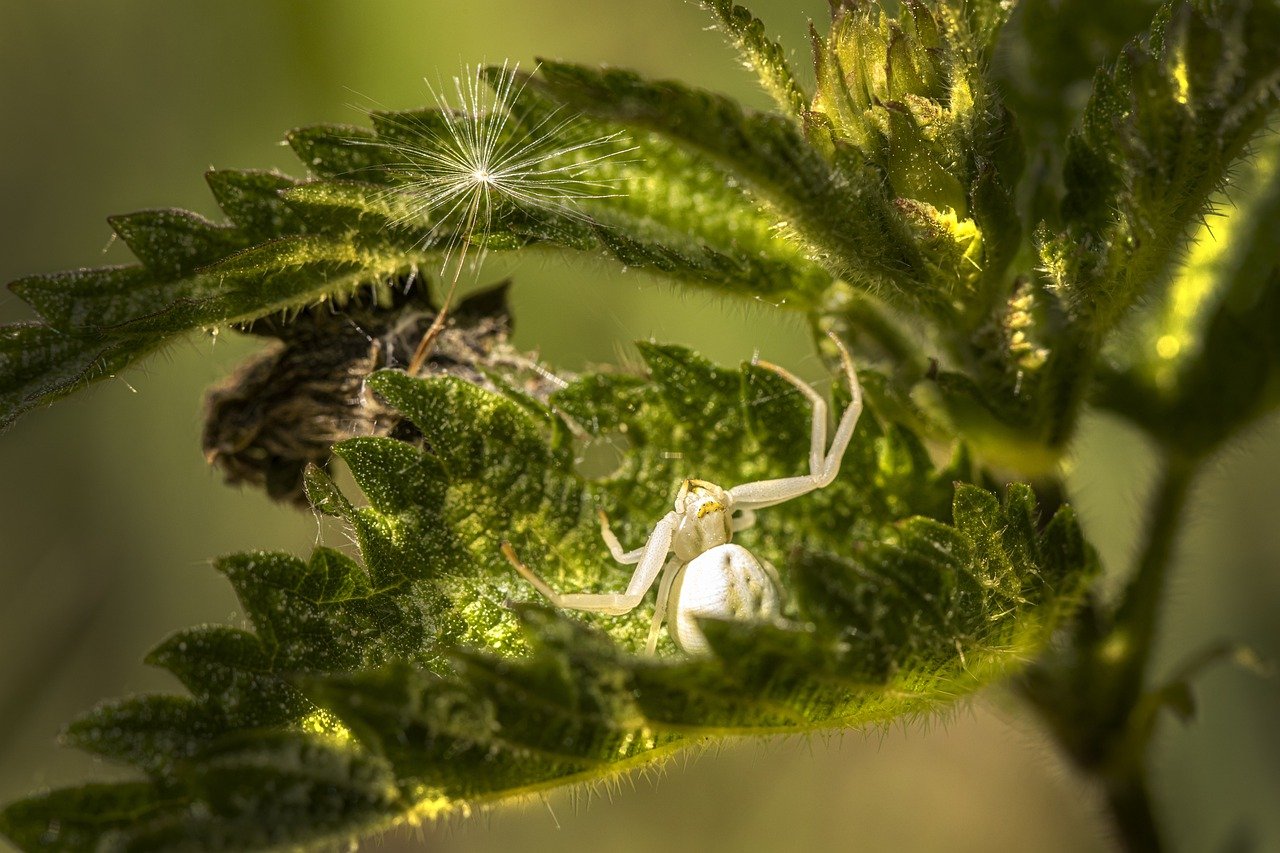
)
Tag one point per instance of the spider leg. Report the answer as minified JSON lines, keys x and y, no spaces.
{"x":611,"y":603}
{"x":627,"y":558}
{"x":824,"y":462}
{"x":669,"y":572}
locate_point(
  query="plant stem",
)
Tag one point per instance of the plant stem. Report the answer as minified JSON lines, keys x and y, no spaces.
{"x":1091,"y":692}
{"x":1127,"y":726}
{"x":1130,"y":807}
{"x":1139,"y":613}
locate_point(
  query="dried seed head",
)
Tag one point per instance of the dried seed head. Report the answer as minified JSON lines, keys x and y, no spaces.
{"x":286,"y":406}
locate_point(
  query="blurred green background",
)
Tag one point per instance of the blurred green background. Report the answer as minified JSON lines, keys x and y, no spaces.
{"x":108,"y":515}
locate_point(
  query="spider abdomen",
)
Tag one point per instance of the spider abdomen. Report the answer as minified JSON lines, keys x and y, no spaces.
{"x":724,"y":582}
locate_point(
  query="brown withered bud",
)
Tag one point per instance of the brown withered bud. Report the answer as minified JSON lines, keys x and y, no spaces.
{"x":286,"y":406}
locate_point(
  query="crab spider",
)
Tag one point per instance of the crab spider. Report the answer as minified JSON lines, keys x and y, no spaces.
{"x":700,"y":572}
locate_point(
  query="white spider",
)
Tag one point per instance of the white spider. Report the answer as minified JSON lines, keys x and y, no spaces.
{"x":707,"y":575}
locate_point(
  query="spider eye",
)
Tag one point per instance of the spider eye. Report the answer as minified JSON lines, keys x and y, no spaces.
{"x":709,"y":506}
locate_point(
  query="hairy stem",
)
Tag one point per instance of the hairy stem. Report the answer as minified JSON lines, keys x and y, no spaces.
{"x":1138,"y":616}
{"x":1130,"y":805}
{"x":1134,"y":633}
{"x":1091,"y":691}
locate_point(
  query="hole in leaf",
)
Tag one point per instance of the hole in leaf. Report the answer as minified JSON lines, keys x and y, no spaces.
{"x":598,"y":457}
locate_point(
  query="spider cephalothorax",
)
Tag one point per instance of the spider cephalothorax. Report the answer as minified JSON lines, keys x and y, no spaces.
{"x":704,"y":510}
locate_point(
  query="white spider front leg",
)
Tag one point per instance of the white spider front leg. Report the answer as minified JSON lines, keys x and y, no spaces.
{"x":824,"y":463}
{"x":652,"y":558}
{"x":626,"y":558}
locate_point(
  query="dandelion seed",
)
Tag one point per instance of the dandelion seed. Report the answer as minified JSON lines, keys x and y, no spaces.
{"x":467,"y":164}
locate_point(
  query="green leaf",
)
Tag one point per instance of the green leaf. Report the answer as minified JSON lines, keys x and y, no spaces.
{"x":1160,"y":131}
{"x":1210,"y":344}
{"x":318,"y":614}
{"x":290,"y":244}
{"x":289,"y":789}
{"x":844,"y":212}
{"x":677,"y":211}
{"x":262,"y":790}
{"x":935,"y":592}
{"x":343,"y":151}
{"x":1234,"y":377}
{"x":74,"y":300}
{"x":252,"y":201}
{"x":975,"y":24}
{"x":89,"y":817}
{"x":1055,"y":51}
{"x":39,"y":364}
{"x":412,"y":683}
{"x":175,"y":243}
{"x":766,"y":57}
{"x":229,"y":670}
{"x":153,"y":733}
